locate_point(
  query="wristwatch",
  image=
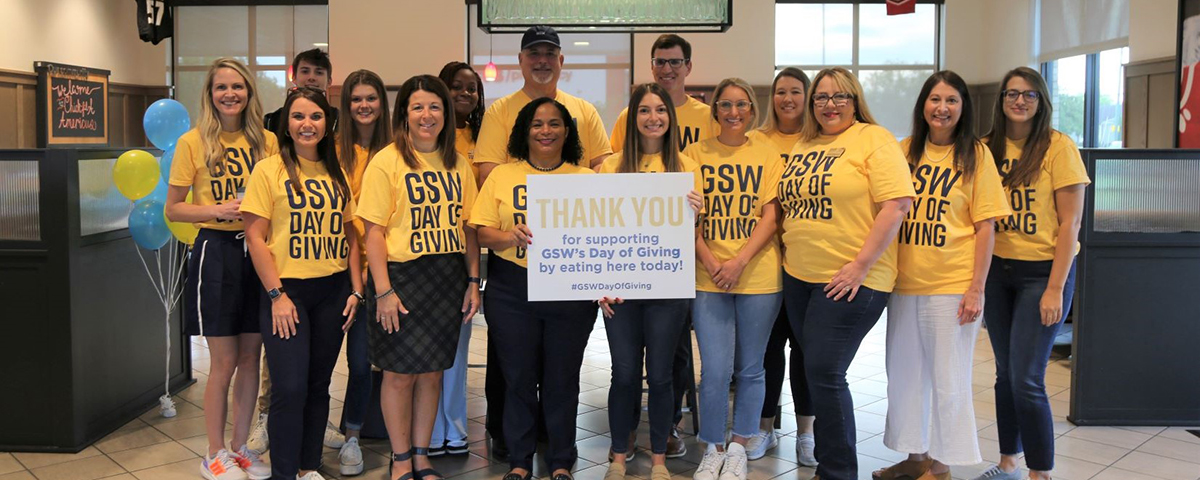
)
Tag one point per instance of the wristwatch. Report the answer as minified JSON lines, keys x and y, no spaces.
{"x":275,"y":293}
{"x":474,"y":280}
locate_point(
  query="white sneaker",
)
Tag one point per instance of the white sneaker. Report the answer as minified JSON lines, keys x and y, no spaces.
{"x":222,"y":466}
{"x":735,"y":463}
{"x":710,"y":465}
{"x":333,"y":438}
{"x":351,"y":458}
{"x":313,"y":475}
{"x":759,"y":443}
{"x":254,"y":467}
{"x":259,"y":442}
{"x":805,"y":446}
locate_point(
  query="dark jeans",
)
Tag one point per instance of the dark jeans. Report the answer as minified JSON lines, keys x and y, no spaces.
{"x":774,"y":363}
{"x":636,"y":327}
{"x":532,"y":338}
{"x":830,"y":333}
{"x":1022,"y":346}
{"x":301,"y":367}
{"x":681,"y":368}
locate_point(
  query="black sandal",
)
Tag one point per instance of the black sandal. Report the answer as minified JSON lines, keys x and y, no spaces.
{"x":401,"y":457}
{"x":421,"y":474}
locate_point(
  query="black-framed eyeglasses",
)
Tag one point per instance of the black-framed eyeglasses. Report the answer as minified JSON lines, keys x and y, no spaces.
{"x":1031,"y":96}
{"x":673,"y":62}
{"x":839,"y":99}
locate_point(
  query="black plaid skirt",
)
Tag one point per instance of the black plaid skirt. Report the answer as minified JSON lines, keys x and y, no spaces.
{"x":431,"y":287}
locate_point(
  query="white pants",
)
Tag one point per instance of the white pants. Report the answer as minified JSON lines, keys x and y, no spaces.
{"x":929,"y":359}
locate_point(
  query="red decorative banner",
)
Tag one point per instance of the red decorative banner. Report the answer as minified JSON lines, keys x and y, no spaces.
{"x":900,"y":7}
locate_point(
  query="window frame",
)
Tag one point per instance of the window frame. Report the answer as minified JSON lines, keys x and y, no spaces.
{"x":1091,"y":95}
{"x":855,"y":67}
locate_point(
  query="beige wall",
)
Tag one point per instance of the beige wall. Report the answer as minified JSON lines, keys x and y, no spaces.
{"x":747,"y":49}
{"x":1152,"y":29}
{"x":89,"y":33}
{"x":986,"y":38}
{"x":395,"y":38}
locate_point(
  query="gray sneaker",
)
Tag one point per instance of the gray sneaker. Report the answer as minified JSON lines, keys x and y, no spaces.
{"x":995,"y":473}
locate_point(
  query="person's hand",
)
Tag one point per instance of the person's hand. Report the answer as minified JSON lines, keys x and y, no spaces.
{"x":470,"y":302}
{"x":696,"y":201}
{"x":349,"y":312}
{"x":846,"y":281}
{"x":228,"y":211}
{"x":1051,"y":306}
{"x":284,"y":317}
{"x":729,"y":273}
{"x":521,"y":236}
{"x":388,"y":311}
{"x":713,"y":268}
{"x":606,"y":304}
{"x":970,"y":306}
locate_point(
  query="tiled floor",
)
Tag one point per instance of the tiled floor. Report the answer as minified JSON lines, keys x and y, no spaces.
{"x":155,"y":448}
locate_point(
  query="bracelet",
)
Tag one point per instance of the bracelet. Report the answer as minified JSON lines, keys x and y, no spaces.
{"x":384,"y":294}
{"x":475,"y":280}
{"x":357,"y":295}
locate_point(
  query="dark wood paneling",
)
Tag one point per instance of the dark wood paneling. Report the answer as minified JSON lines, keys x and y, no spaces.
{"x":1150,"y":104}
{"x":984,"y":98}
{"x":18,"y":111}
{"x":8,"y":116}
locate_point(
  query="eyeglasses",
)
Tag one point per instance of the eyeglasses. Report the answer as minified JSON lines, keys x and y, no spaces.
{"x":839,"y":99}
{"x":1031,"y":96}
{"x":726,"y":105}
{"x":673,"y":62}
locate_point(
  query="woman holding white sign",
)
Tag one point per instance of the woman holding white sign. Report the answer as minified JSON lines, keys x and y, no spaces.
{"x":737,"y":277}
{"x":530,"y":336}
{"x":638,"y":327}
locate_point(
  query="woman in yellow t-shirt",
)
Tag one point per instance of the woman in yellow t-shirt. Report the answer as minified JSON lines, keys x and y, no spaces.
{"x":1032,"y":279}
{"x":366,"y":131}
{"x":424,"y":265}
{"x":844,"y":192}
{"x":737,"y":276}
{"x":782,"y":129}
{"x":646,"y":327}
{"x":943,"y":260}
{"x":298,"y":209}
{"x":540,"y":344}
{"x":214,"y":161}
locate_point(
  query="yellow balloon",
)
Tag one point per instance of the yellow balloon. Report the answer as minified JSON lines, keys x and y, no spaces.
{"x":184,"y":231}
{"x":135,"y":174}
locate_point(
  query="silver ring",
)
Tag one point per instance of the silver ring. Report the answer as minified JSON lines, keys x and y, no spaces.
{"x":845,"y":289}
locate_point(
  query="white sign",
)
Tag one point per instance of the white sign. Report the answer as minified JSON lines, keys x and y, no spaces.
{"x":628,"y":235}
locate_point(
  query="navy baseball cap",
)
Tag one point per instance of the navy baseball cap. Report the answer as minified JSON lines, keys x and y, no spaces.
{"x":539,"y":34}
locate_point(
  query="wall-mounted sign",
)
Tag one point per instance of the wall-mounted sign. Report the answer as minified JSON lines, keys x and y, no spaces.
{"x":72,"y":105}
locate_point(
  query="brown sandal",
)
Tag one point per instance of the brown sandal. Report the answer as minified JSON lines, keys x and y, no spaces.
{"x":907,"y":469}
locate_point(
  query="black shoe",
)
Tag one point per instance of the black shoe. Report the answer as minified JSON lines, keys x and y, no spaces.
{"x":437,"y":451}
{"x":499,"y":450}
{"x":456,"y":450}
{"x":562,"y":476}
{"x":517,"y":476}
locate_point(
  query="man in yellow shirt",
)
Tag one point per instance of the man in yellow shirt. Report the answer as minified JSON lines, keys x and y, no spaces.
{"x":671,"y":63}
{"x":541,"y":63}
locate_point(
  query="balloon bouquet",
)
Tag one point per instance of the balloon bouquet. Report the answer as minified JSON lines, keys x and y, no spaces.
{"x":143,"y":179}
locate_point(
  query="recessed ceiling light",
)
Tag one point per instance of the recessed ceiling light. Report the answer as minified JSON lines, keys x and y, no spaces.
{"x":582,"y":44}
{"x":320,"y":44}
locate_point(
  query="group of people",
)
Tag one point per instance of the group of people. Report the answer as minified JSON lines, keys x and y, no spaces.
{"x":353,"y":222}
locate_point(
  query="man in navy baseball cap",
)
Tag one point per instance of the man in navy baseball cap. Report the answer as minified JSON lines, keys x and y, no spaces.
{"x":539,"y":34}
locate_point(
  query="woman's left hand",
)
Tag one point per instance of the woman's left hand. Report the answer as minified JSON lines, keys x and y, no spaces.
{"x":606,"y":304}
{"x":470,"y":302}
{"x":846,"y":281}
{"x":696,"y":201}
{"x":970,"y":306}
{"x":727,"y":278}
{"x":1051,"y":306}
{"x":350,"y":312}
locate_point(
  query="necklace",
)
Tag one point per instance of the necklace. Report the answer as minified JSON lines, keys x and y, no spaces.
{"x":540,"y":169}
{"x":936,"y":160}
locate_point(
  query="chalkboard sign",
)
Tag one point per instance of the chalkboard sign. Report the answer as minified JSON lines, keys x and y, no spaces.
{"x":72,"y":105}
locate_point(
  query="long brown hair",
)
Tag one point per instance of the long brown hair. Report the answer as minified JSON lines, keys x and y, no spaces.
{"x":1026,"y":168}
{"x":633,"y":145}
{"x":347,"y":131}
{"x":847,"y":83}
{"x":209,"y":124}
{"x":772,"y":123}
{"x":964,"y":140}
{"x":445,"y":140}
{"x":325,"y":148}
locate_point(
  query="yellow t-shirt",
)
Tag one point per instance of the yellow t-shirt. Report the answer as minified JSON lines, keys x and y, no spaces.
{"x":937,"y":238}
{"x":307,"y":237}
{"x":466,"y":147}
{"x":1031,"y":232}
{"x":783,"y":142}
{"x":501,"y":202}
{"x":423,"y":209}
{"x":190,"y":170}
{"x":830,"y":194}
{"x":738,"y":183}
{"x":695,"y":121}
{"x":654,"y":164}
{"x":355,"y":178}
{"x":498,"y":122}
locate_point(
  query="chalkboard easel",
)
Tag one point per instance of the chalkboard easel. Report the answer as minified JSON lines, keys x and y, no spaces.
{"x":72,"y":106}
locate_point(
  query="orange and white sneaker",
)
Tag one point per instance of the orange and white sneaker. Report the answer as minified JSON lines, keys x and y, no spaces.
{"x":252,"y":464}
{"x":222,"y":466}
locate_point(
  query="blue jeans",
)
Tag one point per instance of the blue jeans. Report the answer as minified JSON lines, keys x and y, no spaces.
{"x":636,"y":327}
{"x":830,"y":333}
{"x":1022,"y":346}
{"x":358,"y":386}
{"x":450,"y":425}
{"x":732,"y":331}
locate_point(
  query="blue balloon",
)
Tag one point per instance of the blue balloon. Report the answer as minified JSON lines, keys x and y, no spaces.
{"x":164,"y":122}
{"x":159,"y":194}
{"x":147,"y":225}
{"x":164,"y":164}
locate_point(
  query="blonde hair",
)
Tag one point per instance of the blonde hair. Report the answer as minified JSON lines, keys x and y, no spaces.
{"x":846,"y":82}
{"x":742,"y":84}
{"x":209,"y":123}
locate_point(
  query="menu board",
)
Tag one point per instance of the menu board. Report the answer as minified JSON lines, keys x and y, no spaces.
{"x":72,"y":105}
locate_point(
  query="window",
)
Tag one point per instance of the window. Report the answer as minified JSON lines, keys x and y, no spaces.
{"x":888,"y":54}
{"x":265,"y":38}
{"x":1088,"y":95}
